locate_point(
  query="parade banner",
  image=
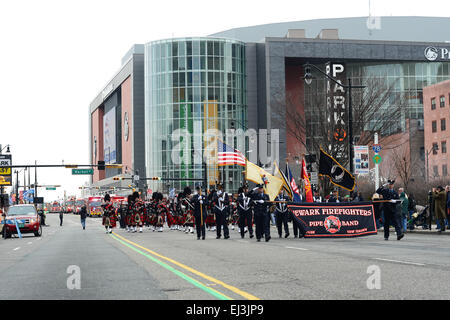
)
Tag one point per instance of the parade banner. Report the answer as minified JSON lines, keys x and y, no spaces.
{"x":339,"y":220}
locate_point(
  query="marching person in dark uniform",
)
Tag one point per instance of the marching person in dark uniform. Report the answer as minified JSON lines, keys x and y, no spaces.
{"x":122,"y":212}
{"x":221,"y":201}
{"x":335,"y":196}
{"x":261,"y":212}
{"x":200,"y":206}
{"x":282,"y":214}
{"x":129,"y":213}
{"x":108,"y":214}
{"x":390,"y":209}
{"x":245,"y":211}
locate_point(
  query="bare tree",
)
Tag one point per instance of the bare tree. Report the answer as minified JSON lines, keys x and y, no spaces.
{"x":379,"y":107}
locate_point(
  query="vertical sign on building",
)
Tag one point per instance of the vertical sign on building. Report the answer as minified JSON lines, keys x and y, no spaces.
{"x":109,"y":136}
{"x":361,"y":159}
{"x":5,"y":170}
{"x":211,"y":126}
{"x":336,"y":107}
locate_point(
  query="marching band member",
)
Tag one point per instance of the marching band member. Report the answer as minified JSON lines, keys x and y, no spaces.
{"x":161,"y":212}
{"x":138,"y":212}
{"x":282,"y":214}
{"x":245,"y":212}
{"x":221,"y":201}
{"x":189,"y":209}
{"x":108,"y":214}
{"x":211,"y":218}
{"x":129,"y":214}
{"x":200,"y":206}
{"x":261,"y":212}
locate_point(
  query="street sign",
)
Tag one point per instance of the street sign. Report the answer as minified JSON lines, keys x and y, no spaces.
{"x":376,"y":148}
{"x":50,"y":188}
{"x":83,"y":171}
{"x":5,"y":170}
{"x":376,"y":158}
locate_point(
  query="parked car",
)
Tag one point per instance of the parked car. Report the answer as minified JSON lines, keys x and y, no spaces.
{"x":27,"y":218}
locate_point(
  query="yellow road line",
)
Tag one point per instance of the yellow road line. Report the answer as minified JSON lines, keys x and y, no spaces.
{"x":244,"y":294}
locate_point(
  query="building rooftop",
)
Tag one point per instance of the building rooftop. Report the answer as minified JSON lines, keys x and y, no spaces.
{"x":414,"y":29}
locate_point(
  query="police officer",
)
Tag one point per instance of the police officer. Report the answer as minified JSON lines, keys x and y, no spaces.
{"x":245,"y":211}
{"x":282,"y":214}
{"x":200,"y":203}
{"x":390,"y":209}
{"x":221,"y":202}
{"x":261,"y":211}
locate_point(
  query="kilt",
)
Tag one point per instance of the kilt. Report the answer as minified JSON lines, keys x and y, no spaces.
{"x":112,"y":221}
{"x":210,"y":220}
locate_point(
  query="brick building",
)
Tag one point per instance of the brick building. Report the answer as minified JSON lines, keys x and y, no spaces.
{"x":436,"y":102}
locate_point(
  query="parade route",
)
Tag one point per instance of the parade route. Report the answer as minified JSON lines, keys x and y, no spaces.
{"x":176,"y":266}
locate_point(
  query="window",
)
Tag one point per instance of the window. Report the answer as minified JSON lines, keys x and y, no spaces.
{"x":435,"y":148}
{"x":435,"y":171}
{"x":444,"y":170}
{"x":433,"y":103}
{"x":444,"y":146}
{"x":442,"y":101}
{"x":433,"y":126}
{"x":443,"y":124}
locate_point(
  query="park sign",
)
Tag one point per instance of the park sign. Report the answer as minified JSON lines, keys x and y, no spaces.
{"x":335,"y":220}
{"x":5,"y":170}
{"x":83,"y":171}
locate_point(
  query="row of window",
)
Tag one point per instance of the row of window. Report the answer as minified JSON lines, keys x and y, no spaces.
{"x":443,"y":147}
{"x":441,"y":102}
{"x":434,"y":125}
{"x":436,"y":170}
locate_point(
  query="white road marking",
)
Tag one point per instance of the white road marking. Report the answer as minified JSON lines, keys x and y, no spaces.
{"x":16,"y":248}
{"x":303,"y":249}
{"x":402,"y":262}
{"x":30,"y":242}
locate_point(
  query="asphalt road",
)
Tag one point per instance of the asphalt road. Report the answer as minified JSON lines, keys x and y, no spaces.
{"x":70,"y":263}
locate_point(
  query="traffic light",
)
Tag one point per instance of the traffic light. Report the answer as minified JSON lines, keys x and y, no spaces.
{"x":156,"y":178}
{"x":308,"y":75}
{"x":118,"y":178}
{"x":101,"y":165}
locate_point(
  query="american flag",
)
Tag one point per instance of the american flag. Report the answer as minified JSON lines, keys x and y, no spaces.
{"x":229,"y":156}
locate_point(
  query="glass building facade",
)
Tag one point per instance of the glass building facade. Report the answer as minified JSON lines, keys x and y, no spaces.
{"x":192,"y":85}
{"x":408,"y":79}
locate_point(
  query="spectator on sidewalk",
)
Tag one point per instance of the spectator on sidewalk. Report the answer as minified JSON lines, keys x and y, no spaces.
{"x":405,"y":203}
{"x":447,"y":189}
{"x":411,"y":209}
{"x":440,"y":206}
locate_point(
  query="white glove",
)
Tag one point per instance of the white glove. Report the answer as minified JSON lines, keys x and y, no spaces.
{"x":393,"y":201}
{"x":201,"y":201}
{"x":260,"y":201}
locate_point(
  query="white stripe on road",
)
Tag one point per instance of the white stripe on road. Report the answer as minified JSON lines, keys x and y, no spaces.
{"x":303,"y":249}
{"x":16,"y":248}
{"x":30,"y":242}
{"x":403,"y":262}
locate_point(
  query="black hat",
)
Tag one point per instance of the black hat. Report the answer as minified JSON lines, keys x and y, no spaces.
{"x":107,"y":197}
{"x":198,"y":188}
{"x":391,"y":181}
{"x":260,"y":185}
{"x":187,"y":191}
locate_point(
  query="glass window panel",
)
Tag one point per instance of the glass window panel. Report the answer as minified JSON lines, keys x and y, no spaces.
{"x":189,"y":48}
{"x":181,"y":79}
{"x":175,"y":63}
{"x":195,"y":48}
{"x":196,"y":62}
{"x":210,"y":48}
{"x":210,"y":63}
{"x":175,"y":49}
{"x":216,"y":48}
{"x":189,"y":63}
{"x":181,"y":49}
{"x":202,"y":48}
{"x":181,"y":63}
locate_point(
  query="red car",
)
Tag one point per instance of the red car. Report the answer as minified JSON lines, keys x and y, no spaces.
{"x":27,"y":219}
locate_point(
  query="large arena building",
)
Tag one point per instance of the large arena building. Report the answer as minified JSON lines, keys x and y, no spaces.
{"x":243,"y":79}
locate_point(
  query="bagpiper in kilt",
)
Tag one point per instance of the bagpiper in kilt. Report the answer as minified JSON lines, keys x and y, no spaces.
{"x":161,"y":212}
{"x":129,"y":214}
{"x":109,"y":214}
{"x":189,"y":211}
{"x":138,"y":212}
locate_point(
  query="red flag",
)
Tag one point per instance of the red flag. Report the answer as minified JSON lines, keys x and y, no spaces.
{"x":308,"y":190}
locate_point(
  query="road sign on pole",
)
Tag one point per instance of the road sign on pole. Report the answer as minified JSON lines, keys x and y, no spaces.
{"x":82,"y":171}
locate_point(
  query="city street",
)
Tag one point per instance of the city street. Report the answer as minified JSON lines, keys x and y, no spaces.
{"x":174,"y":265}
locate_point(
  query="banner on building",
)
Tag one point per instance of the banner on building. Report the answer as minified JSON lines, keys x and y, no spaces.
{"x":325,"y":220}
{"x":5,"y":170}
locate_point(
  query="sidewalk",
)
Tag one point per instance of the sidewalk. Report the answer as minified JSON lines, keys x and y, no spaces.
{"x":424,"y":231}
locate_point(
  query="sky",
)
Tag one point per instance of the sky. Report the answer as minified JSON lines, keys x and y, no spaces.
{"x":56,"y":56}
